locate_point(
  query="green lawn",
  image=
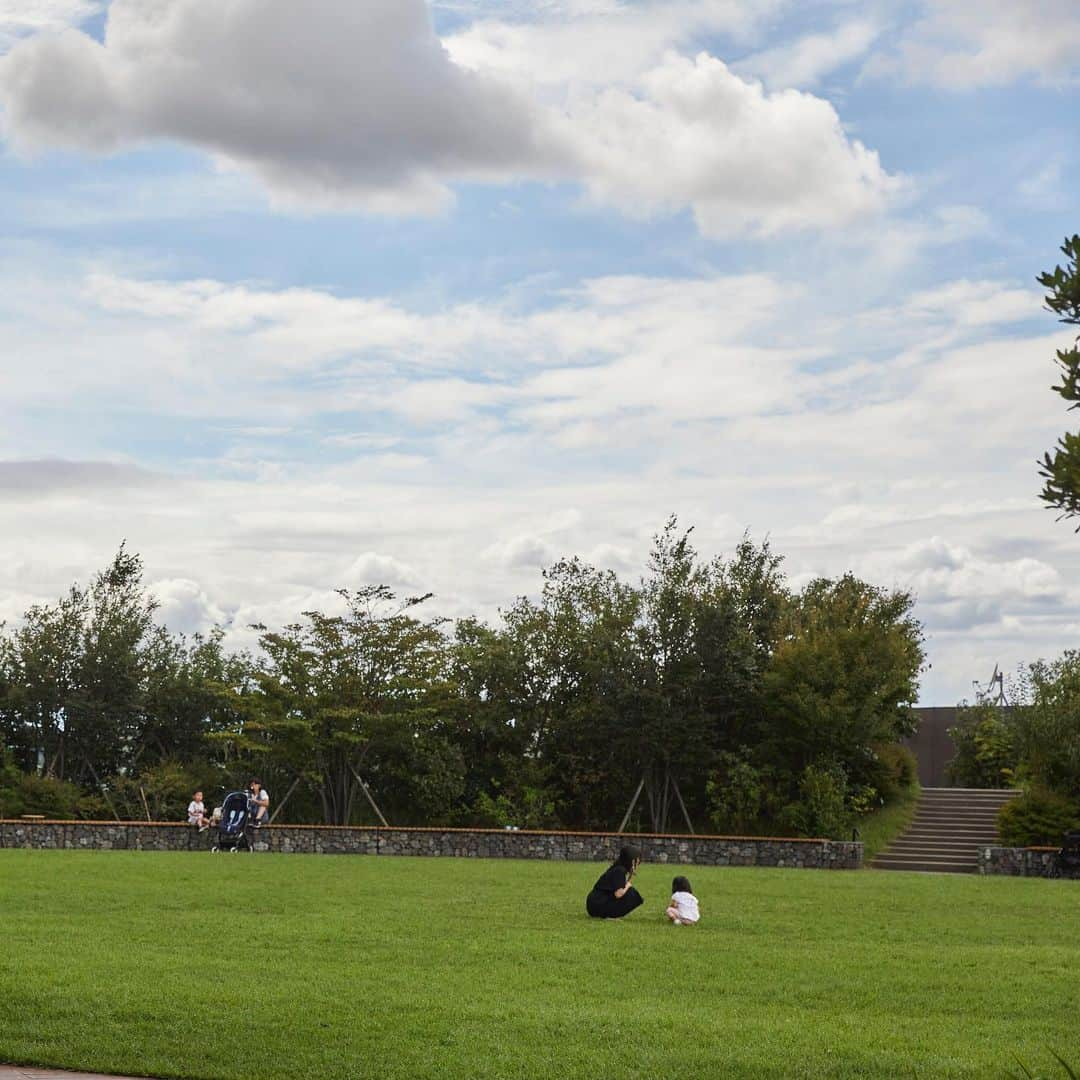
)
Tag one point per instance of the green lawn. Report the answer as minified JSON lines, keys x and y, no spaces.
{"x":269,"y":966}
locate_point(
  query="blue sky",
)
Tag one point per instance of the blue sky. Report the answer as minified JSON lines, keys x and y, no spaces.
{"x":302,"y":296}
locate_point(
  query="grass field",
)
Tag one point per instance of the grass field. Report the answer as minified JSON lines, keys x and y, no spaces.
{"x":313,"y":966}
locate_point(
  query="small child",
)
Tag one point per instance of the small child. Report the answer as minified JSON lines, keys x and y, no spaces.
{"x":196,"y":813}
{"x":683,"y":909}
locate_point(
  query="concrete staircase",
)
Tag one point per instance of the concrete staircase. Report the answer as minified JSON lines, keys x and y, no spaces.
{"x":949,"y":826}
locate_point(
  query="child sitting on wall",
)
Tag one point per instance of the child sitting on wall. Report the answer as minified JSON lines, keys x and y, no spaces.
{"x":196,"y":812}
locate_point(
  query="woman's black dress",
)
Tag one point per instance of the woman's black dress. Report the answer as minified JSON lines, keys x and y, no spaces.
{"x":602,"y":903}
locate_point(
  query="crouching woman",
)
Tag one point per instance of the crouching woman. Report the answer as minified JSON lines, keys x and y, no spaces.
{"x":614,"y":895}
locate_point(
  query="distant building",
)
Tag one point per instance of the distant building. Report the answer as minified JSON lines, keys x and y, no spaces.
{"x":931,"y":744}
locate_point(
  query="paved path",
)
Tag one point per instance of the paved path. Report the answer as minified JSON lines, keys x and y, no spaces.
{"x":30,"y":1072}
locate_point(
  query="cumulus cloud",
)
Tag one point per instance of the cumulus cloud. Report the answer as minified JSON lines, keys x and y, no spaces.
{"x":960,"y":45}
{"x":941,"y":572}
{"x":339,"y":104}
{"x":521,"y":551}
{"x":330,"y":100}
{"x":371,"y":568}
{"x":703,"y":137}
{"x":593,"y":44}
{"x":184,"y":606}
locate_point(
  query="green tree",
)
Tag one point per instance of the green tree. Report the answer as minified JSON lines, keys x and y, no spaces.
{"x":706,"y":630}
{"x":1061,"y":469}
{"x":74,"y":676}
{"x":364,"y":690}
{"x":576,"y":688}
{"x":493,"y":723}
{"x":842,"y":680}
{"x":1046,"y":724}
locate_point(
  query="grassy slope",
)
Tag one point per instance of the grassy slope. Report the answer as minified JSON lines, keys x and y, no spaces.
{"x":879,"y":829}
{"x":311,"y":966}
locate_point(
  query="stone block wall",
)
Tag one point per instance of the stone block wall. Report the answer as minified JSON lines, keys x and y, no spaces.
{"x":445,"y":843}
{"x":1018,"y":862}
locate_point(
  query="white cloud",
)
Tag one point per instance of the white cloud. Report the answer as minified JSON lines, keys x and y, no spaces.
{"x":521,"y":551}
{"x":700,"y":136}
{"x":328,"y":101}
{"x":959,"y":45}
{"x":806,"y":61}
{"x":185,"y":606}
{"x":43,"y":478}
{"x":943,"y":573}
{"x":20,"y":18}
{"x":371,"y":568}
{"x":474,"y":443}
{"x":337,"y":104}
{"x":596,"y":44}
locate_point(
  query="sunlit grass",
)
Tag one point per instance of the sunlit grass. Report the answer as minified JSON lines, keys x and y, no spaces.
{"x":188,"y":965}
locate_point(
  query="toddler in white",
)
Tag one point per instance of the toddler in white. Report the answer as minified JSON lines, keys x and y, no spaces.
{"x":683,"y":909}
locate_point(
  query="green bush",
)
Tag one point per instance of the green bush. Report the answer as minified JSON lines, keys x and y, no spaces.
{"x":737,"y":793}
{"x":1038,"y":818}
{"x":821,"y":809}
{"x":532,"y":809}
{"x":986,"y":751}
{"x":896,"y":770}
{"x":33,"y":794}
{"x":167,"y":787}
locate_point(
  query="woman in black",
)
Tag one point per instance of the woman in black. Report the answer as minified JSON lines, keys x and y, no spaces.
{"x":614,"y":895}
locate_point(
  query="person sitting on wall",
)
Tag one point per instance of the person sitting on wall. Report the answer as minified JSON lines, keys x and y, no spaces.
{"x":614,"y":895}
{"x":196,"y":812}
{"x":260,"y":803}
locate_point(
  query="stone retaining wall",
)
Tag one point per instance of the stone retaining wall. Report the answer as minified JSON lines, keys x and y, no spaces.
{"x":457,"y":843}
{"x":1018,"y":861}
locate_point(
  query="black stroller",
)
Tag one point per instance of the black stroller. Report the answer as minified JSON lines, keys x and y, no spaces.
{"x":234,"y":828}
{"x":1067,"y":864}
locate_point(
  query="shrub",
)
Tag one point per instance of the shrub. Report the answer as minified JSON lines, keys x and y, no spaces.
{"x":889,"y":769}
{"x":986,"y":753}
{"x":821,"y":809}
{"x":532,"y":809}
{"x":897,"y":770}
{"x":33,"y":794}
{"x":167,"y":789}
{"x":1038,"y":818}
{"x":736,"y":794}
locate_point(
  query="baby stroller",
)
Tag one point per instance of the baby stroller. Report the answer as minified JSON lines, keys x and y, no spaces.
{"x":1068,"y":858}
{"x":234,"y":828}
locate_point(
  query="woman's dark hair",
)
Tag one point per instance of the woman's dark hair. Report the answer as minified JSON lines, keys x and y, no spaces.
{"x":627,"y":857}
{"x":681,"y":884}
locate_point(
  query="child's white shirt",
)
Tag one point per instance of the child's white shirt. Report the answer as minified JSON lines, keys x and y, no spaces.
{"x":686,"y":905}
{"x":195,"y":810}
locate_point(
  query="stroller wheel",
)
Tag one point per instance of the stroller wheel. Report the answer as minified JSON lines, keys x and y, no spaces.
{"x":214,"y":850}
{"x":233,"y":851}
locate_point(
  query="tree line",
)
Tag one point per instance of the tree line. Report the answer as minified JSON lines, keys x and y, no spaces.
{"x":711,"y":690}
